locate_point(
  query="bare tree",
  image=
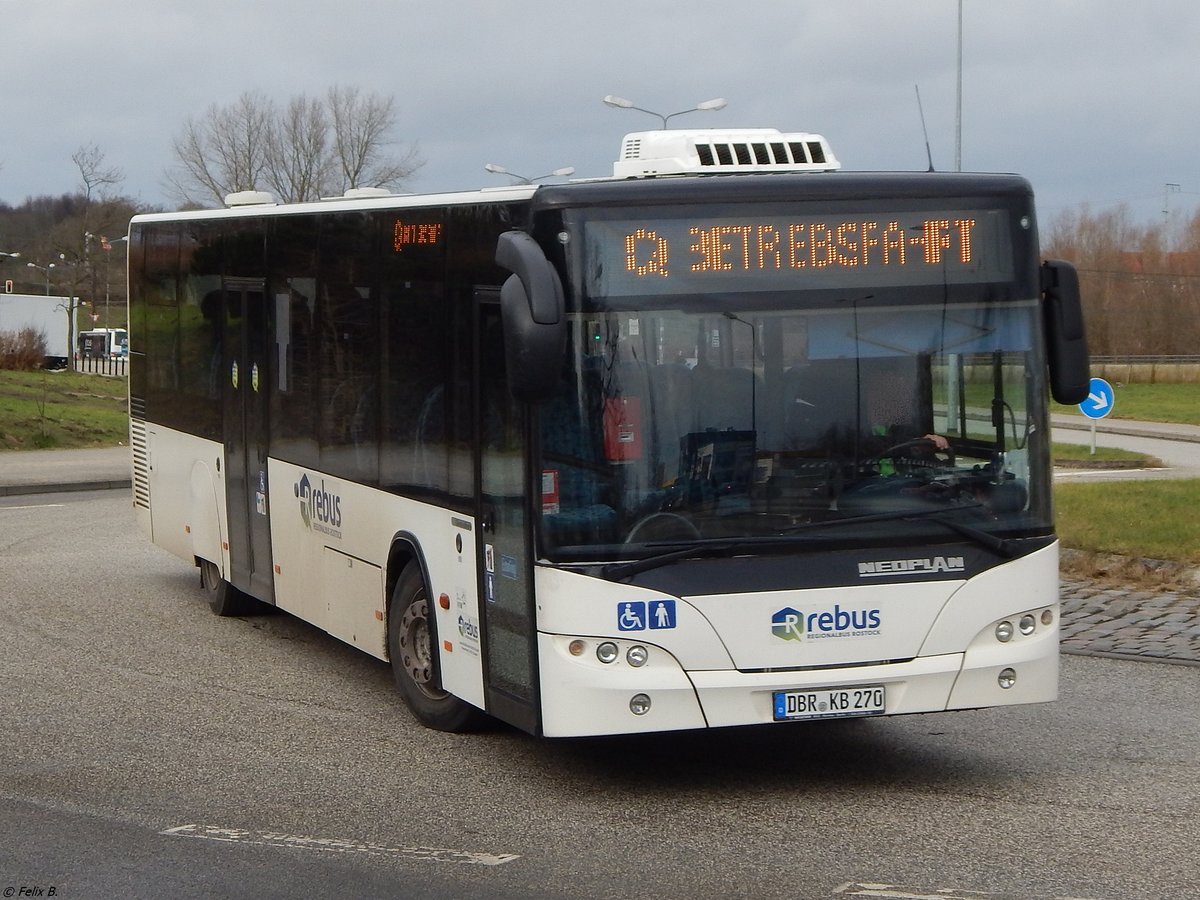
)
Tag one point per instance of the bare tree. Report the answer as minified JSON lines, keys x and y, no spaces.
{"x":224,"y":151}
{"x":1140,"y":283}
{"x":298,"y":159}
{"x":94,"y":175}
{"x":360,"y":128}
{"x":310,"y":148}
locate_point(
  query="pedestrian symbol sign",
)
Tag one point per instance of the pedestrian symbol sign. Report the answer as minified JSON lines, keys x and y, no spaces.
{"x":638,"y":615}
{"x":662,"y":614}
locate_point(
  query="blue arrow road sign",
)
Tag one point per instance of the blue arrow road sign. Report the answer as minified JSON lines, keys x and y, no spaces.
{"x":1099,"y":402}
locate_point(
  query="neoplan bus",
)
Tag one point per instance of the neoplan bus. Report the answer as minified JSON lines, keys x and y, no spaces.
{"x":732,"y":437}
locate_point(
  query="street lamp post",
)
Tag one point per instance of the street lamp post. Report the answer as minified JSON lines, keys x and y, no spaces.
{"x":521,"y":179}
{"x":44,"y":269}
{"x":69,"y":306}
{"x":621,"y":103}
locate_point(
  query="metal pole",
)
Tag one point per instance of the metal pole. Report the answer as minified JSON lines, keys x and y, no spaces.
{"x":958,"y":98}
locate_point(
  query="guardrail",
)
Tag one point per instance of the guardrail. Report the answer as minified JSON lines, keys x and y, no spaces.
{"x":1147,"y":369}
{"x":1147,"y":359}
{"x":102,"y":365}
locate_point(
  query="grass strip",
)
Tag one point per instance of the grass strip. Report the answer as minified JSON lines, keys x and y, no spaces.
{"x":1177,"y":403}
{"x":1155,"y":519}
{"x":41,"y":410}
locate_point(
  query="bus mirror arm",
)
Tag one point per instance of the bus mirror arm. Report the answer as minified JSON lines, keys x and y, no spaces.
{"x":532,"y":310}
{"x":520,"y":254}
{"x":1066,"y":340}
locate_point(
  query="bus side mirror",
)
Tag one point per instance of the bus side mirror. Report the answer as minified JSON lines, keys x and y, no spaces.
{"x":1066,"y":342}
{"x":532,"y":310}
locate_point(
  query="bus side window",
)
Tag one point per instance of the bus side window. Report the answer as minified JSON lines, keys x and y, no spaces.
{"x":574,"y":463}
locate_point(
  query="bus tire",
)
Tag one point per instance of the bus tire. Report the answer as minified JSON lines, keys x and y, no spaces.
{"x":411,"y":642}
{"x":223,"y":598}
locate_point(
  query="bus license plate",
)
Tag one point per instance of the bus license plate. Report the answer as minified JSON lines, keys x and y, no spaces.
{"x":830,"y":703}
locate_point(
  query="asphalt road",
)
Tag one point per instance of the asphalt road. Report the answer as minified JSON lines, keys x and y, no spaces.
{"x":150,"y":749}
{"x":1181,"y":458}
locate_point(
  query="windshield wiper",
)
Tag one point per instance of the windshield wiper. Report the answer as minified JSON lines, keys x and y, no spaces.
{"x":1003,"y":546}
{"x":889,"y":516}
{"x":1000,"y":545}
{"x":622,"y":570}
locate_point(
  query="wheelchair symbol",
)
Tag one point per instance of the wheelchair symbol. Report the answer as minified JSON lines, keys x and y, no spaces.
{"x":631,"y":616}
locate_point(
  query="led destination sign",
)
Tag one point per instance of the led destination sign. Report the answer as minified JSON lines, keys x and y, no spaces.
{"x":410,"y":234}
{"x":670,"y":256}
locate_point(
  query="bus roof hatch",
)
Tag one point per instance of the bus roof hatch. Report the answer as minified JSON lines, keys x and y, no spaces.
{"x":716,"y":151}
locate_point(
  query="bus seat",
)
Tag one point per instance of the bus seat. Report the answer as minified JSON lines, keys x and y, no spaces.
{"x":671,"y":417}
{"x":726,"y":398}
{"x":820,"y":399}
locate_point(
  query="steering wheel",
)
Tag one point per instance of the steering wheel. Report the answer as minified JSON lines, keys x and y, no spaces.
{"x":925,"y":449}
{"x":662,"y":526}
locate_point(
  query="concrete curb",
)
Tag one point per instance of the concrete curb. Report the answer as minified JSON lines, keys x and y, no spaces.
{"x":18,"y":490}
{"x":1189,"y":434}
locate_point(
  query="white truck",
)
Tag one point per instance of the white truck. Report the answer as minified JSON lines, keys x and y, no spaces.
{"x":44,"y":313}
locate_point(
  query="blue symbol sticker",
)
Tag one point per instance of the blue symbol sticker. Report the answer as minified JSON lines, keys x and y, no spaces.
{"x":631,"y":616}
{"x":662,"y":614}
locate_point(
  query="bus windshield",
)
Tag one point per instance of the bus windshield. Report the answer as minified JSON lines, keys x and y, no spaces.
{"x":767,"y":419}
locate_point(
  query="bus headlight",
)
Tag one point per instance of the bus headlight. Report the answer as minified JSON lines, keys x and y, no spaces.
{"x":1027,"y":624}
{"x":1004,"y":632}
{"x":637,"y":655}
{"x":1007,"y":678}
{"x":639,"y":704}
{"x":607,"y":652}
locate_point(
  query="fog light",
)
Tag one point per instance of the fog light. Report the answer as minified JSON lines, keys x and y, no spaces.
{"x":1004,"y":632}
{"x":577,"y":647}
{"x":1047,"y":616}
{"x":1027,"y":624}
{"x":607,"y":652}
{"x":1008,"y":677}
{"x":637,"y":656}
{"x":639,"y":704}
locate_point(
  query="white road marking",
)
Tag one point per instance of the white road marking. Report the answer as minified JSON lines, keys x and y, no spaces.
{"x":897,"y":892}
{"x":336,"y":845}
{"x":38,"y":506}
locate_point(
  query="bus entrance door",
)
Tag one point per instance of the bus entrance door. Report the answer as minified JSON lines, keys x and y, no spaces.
{"x":246,"y":414}
{"x":506,"y":570}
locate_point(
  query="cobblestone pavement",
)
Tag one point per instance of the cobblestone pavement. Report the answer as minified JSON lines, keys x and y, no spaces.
{"x":1127,"y":623}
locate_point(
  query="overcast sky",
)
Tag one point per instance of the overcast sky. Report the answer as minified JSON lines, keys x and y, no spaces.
{"x":1095,"y":101}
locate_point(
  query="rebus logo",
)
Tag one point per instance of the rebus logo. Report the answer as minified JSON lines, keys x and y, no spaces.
{"x":320,"y":509}
{"x":788,"y":624}
{"x":792,"y":625}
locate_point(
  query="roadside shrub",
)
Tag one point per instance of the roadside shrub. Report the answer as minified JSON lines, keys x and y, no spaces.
{"x":22,"y":350}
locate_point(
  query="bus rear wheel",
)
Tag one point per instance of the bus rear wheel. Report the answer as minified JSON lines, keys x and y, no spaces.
{"x":411,"y":642}
{"x":223,"y":598}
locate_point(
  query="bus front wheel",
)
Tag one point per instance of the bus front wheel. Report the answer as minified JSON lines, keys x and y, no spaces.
{"x":411,"y":643}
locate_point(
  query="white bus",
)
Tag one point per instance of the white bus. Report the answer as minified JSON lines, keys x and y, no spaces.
{"x":729,"y":438}
{"x":103,"y":343}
